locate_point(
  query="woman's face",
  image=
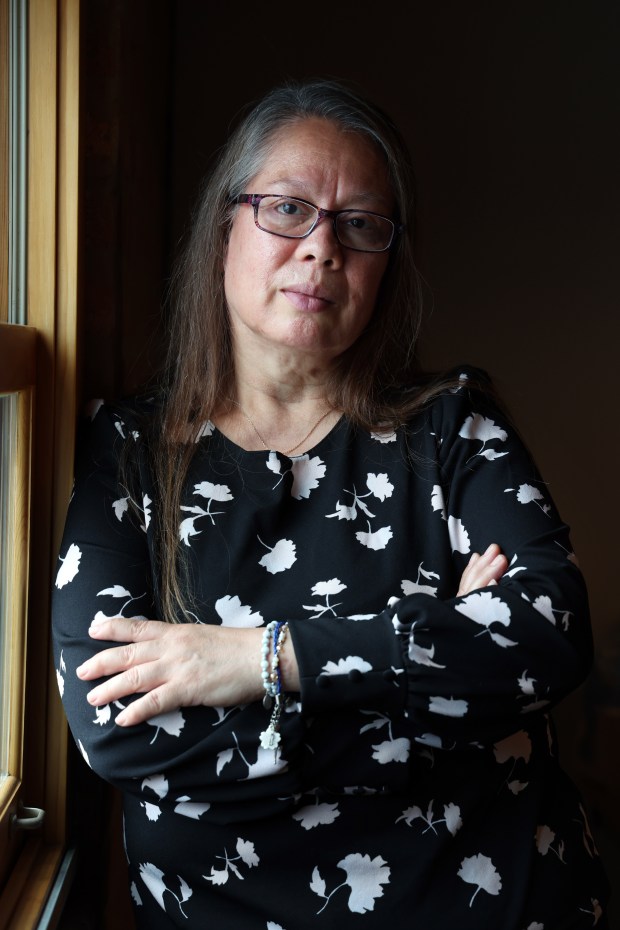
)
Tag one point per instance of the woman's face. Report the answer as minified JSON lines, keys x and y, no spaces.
{"x":312,"y":295}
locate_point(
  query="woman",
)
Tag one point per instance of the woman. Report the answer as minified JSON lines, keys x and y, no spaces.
{"x":340,"y":716}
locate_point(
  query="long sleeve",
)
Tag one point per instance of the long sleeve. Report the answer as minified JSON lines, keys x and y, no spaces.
{"x":468,"y":669}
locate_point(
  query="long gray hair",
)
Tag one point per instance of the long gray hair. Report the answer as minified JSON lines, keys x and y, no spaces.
{"x":200,"y":350}
{"x":366,"y":384}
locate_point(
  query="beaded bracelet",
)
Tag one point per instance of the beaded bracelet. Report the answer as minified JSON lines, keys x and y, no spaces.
{"x":268,"y":684}
{"x":275,"y":632}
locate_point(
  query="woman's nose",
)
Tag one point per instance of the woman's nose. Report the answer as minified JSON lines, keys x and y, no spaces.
{"x":322,"y":244}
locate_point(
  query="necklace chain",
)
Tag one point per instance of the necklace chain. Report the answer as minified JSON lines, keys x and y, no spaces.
{"x":297,"y":444}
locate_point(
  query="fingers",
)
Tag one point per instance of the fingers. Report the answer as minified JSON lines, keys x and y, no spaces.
{"x":139,"y":678}
{"x":117,"y":659}
{"x":171,"y":666}
{"x":122,"y":630}
{"x":483,"y":570}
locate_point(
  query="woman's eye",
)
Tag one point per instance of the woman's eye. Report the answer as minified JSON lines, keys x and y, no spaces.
{"x":288,"y":207}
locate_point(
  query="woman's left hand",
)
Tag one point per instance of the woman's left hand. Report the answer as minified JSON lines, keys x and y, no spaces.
{"x":483,"y":570}
{"x":172,"y":666}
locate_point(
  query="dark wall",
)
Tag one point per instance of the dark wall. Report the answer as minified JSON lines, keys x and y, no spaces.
{"x":512,"y":113}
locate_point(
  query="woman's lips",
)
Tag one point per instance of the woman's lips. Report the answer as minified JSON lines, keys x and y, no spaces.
{"x":309,"y":302}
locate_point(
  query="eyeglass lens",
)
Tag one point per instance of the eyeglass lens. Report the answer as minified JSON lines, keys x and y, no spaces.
{"x":356,"y":229}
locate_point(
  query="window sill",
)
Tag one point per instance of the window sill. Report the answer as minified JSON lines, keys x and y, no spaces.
{"x":23,"y":900}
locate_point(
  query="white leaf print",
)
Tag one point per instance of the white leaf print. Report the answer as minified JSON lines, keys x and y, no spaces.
{"x":223,"y":758}
{"x":482,"y":429}
{"x":116,"y":590}
{"x":205,"y":430}
{"x":153,"y":878}
{"x":364,"y":507}
{"x":412,"y":587}
{"x":273,"y":463}
{"x":314,"y":815}
{"x":459,"y":537}
{"x":153,"y":812}
{"x":187,"y":527}
{"x":479,"y":870}
{"x":379,"y":485}
{"x":421,"y":655}
{"x":527,"y":493}
{"x":280,"y":557}
{"x":410,"y":814}
{"x":448,"y":707}
{"x":437,"y":500}
{"x":84,"y":753}
{"x":544,"y":838}
{"x":343,"y":666}
{"x":135,"y":894}
{"x":365,"y":876}
{"x":317,"y":884}
{"x":516,"y":746}
{"x":307,"y":472}
{"x":213,"y":492}
{"x":102,"y":715}
{"x":535,"y":926}
{"x":245,"y":853}
{"x":377,"y":540}
{"x":392,"y":750}
{"x":517,"y":786}
{"x":70,"y":566}
{"x":430,"y":739}
{"x":119,"y":424}
{"x":526,"y":684}
{"x":425,"y":574}
{"x":266,"y":764}
{"x":120,"y":507}
{"x":333,"y":586}
{"x":543,"y":606}
{"x":491,"y":454}
{"x":502,"y":641}
{"x":374,"y":724}
{"x":188,"y":808}
{"x":483,"y":608}
{"x":451,"y":818}
{"x":146,"y":500}
{"x":452,"y":813}
{"x":387,"y":435}
{"x":235,"y":614}
{"x":186,"y":891}
{"x":272,"y":926}
{"x":343,"y":512}
{"x":217,"y":876}
{"x":61,"y":683}
{"x":172,"y":723}
{"x":158,"y":784}
{"x":246,"y":850}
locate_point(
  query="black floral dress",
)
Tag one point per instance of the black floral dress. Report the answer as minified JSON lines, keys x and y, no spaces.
{"x":417,"y":781}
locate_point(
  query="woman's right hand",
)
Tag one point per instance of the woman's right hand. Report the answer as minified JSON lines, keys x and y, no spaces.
{"x":483,"y":570}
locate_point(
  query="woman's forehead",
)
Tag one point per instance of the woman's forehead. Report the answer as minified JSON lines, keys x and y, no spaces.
{"x":315,"y":150}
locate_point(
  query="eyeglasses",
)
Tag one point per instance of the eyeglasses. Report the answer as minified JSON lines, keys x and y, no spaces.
{"x":293,"y":218}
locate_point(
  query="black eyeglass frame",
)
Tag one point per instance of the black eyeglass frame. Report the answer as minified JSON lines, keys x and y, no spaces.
{"x":255,"y":199}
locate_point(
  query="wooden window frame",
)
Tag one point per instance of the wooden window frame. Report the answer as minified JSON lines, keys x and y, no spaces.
{"x":39,"y":361}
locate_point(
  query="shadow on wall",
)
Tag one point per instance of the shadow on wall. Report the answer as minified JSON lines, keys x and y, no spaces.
{"x":598,"y":757}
